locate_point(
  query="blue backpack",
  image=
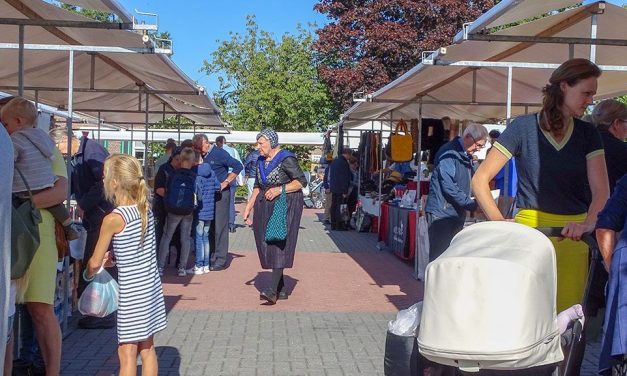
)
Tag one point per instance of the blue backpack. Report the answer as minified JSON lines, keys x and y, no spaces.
{"x":180,"y":197}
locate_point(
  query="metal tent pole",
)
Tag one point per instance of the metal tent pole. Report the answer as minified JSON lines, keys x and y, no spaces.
{"x":178,"y":122}
{"x":20,"y":62}
{"x":66,"y":260}
{"x":418,"y":192}
{"x":146,"y":136}
{"x":593,"y":35}
{"x":133,"y":139}
{"x":99,"y":125}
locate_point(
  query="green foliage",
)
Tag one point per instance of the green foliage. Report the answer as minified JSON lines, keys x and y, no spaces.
{"x":89,"y":13}
{"x":157,"y":149}
{"x":623,"y":98}
{"x":270,"y":83}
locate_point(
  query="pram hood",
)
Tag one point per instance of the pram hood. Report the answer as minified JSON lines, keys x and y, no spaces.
{"x":490,"y":300}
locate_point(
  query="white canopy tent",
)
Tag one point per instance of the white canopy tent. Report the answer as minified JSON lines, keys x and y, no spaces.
{"x":236,"y":137}
{"x":114,"y":70}
{"x":481,"y":81}
{"x":472,"y":82}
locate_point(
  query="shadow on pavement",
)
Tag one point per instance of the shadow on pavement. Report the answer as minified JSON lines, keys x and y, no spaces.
{"x":264,"y":278}
{"x":169,"y":360}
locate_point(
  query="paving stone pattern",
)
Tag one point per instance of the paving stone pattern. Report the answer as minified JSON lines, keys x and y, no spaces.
{"x":305,"y":338}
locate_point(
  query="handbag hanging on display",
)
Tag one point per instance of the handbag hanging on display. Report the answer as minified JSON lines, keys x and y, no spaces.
{"x":401,"y":144}
{"x":25,"y":220}
{"x":63,"y":244}
{"x":277,"y":224}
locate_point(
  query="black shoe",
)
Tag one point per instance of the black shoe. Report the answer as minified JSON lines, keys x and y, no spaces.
{"x":283,"y":295}
{"x":90,"y":322}
{"x":269,"y":296}
{"x":217,"y":268}
{"x":232,"y":229}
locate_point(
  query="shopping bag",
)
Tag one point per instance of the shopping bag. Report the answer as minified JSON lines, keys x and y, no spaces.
{"x":276,"y":229}
{"x":77,"y":246}
{"x":423,"y":247}
{"x":25,"y":220}
{"x":100,"y":297}
{"x":401,"y":144}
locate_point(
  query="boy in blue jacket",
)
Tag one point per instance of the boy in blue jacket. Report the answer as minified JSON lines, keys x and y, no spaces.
{"x":207,"y":186}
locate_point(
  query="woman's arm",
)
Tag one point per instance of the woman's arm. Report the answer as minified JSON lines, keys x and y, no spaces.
{"x":111,"y":224}
{"x":599,"y":186}
{"x":607,"y":242}
{"x":249,"y":205}
{"x":52,"y":196}
{"x":491,"y":166}
{"x":292,"y":186}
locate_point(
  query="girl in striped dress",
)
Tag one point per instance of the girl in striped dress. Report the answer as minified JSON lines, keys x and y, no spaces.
{"x":141,"y":309}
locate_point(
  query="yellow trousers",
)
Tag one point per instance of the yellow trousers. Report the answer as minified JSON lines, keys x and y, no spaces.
{"x":571,"y":256}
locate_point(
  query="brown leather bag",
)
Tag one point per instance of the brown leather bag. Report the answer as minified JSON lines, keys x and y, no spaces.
{"x":62,"y":242}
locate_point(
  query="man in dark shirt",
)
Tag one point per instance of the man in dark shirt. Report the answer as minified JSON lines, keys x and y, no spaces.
{"x":339,"y":184}
{"x":158,"y":206}
{"x":220,"y":161}
{"x":250,"y":170}
{"x":87,"y":186}
{"x":610,"y":118}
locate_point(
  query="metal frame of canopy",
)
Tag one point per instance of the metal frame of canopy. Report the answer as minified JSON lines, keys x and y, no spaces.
{"x":33,"y":19}
{"x":435,"y":58}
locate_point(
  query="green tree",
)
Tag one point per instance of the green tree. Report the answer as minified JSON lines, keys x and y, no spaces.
{"x":270,"y":83}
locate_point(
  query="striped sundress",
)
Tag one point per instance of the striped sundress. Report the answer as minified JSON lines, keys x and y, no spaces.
{"x":141,"y":309}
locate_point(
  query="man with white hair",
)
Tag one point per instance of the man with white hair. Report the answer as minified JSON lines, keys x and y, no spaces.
{"x":449,"y":192}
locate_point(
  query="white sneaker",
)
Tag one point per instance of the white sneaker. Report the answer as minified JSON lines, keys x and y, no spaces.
{"x":198,"y":270}
{"x":160,"y":272}
{"x":205,"y":269}
{"x":181,"y":272}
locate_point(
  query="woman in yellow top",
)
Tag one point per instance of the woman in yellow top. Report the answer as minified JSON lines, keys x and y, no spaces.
{"x":562,"y":178}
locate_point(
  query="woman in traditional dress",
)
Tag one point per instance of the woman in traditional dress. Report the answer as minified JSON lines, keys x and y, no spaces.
{"x":276,"y":169}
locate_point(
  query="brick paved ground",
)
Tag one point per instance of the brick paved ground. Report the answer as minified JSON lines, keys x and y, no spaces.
{"x":343,"y":293}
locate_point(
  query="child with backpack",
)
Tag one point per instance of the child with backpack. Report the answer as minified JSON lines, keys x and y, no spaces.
{"x":207,"y":186}
{"x":130,"y":226}
{"x":180,"y":202}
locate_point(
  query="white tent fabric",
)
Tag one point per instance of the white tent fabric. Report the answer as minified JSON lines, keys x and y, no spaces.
{"x":510,"y":11}
{"x":109,"y":6}
{"x":439,"y":84}
{"x":236,"y":137}
{"x":113,"y":71}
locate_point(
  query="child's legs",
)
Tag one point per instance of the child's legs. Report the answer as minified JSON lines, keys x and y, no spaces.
{"x":205,"y":243}
{"x":186,"y":230}
{"x":150,"y":365}
{"x":171,"y":223}
{"x":198,"y":244}
{"x":60,"y":214}
{"x":127,"y":353}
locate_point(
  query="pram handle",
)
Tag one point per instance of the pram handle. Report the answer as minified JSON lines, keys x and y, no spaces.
{"x":591,"y":241}
{"x":556,"y":232}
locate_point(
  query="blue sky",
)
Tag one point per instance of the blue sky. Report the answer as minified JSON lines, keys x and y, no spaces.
{"x":195,"y":25}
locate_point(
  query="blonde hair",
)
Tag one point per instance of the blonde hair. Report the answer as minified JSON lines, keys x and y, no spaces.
{"x":188,"y":155}
{"x":123,"y":178}
{"x":606,"y":112}
{"x":21,"y":108}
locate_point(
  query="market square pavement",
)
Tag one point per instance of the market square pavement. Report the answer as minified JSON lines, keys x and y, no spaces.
{"x":343,"y":293}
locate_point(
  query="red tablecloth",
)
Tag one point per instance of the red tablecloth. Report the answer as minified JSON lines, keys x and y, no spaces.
{"x":407,"y":253}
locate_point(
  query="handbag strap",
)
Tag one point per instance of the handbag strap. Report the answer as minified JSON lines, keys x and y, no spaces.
{"x":402,"y":126}
{"x":30,"y":194}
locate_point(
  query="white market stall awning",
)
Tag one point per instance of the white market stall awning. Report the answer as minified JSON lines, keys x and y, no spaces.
{"x":464,"y":91}
{"x":235,"y":137}
{"x":113,"y":85}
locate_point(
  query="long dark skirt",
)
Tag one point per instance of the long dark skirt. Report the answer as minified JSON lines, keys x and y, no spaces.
{"x":277,"y":254}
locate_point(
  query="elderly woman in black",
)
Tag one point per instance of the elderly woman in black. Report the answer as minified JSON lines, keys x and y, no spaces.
{"x":276,"y":168}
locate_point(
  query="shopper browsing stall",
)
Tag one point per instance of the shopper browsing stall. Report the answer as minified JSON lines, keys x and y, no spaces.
{"x":449,"y":191}
{"x":562,"y":178}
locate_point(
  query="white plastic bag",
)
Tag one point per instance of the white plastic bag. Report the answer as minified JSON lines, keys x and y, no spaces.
{"x":77,"y":246}
{"x":100,"y":297}
{"x":407,"y":321}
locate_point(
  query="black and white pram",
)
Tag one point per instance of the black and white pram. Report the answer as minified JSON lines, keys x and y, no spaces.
{"x":489,"y":303}
{"x":313,"y":193}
